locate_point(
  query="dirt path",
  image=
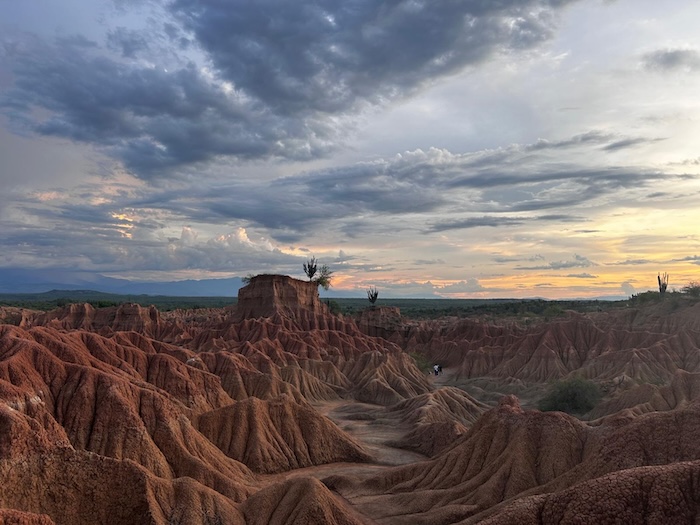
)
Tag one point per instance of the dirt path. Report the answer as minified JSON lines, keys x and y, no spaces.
{"x":443,"y":379}
{"x":369,"y":425}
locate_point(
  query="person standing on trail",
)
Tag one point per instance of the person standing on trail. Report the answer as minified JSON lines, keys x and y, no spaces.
{"x":436,"y":368}
{"x":440,"y":369}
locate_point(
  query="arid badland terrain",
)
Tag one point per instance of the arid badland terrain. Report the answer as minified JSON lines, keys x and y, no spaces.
{"x":277,"y":411}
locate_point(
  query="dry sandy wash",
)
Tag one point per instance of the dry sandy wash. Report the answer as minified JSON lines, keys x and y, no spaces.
{"x":278,"y":412}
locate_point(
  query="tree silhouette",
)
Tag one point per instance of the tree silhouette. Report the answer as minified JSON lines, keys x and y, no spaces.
{"x":321,"y":276}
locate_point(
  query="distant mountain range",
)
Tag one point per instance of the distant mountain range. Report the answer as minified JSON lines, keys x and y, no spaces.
{"x":38,"y":281}
{"x":18,"y":280}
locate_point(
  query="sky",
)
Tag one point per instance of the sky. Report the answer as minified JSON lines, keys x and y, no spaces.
{"x":446,"y":148}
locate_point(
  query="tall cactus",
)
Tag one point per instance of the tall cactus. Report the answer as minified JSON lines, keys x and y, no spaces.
{"x":372,"y":294}
{"x":663,"y":283}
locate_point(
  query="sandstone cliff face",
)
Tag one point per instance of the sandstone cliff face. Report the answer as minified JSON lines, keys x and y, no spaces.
{"x":267,"y":295}
{"x":381,"y":321}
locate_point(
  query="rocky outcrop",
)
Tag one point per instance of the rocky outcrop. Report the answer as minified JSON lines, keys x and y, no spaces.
{"x":381,"y":321}
{"x":267,"y":295}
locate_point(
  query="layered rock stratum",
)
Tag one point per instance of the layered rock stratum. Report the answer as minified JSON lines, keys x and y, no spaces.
{"x":276,"y":411}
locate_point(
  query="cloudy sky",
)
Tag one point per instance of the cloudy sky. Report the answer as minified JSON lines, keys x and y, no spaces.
{"x":458,"y":148}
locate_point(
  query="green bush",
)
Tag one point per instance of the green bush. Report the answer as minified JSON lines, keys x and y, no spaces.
{"x":573,"y":396}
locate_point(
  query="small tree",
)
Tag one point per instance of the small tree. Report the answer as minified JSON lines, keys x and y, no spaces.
{"x":310,"y":268}
{"x":372,"y":294}
{"x":323,"y":278}
{"x":663,"y":283}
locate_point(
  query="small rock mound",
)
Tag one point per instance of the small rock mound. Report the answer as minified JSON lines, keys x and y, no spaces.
{"x":278,"y":435}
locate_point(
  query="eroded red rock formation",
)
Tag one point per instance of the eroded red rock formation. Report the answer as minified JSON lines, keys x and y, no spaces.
{"x":124,"y":415}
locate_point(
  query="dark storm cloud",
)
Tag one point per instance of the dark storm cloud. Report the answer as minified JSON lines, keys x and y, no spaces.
{"x":665,"y":60}
{"x":294,"y":206}
{"x":279,"y":69}
{"x":361,"y":198}
{"x":415,"y":192}
{"x":128,"y":42}
{"x":325,"y":55}
{"x":148,"y":117}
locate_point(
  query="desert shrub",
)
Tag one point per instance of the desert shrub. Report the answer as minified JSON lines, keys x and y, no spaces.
{"x":692,"y":289}
{"x":644,"y":297}
{"x":334,"y":307}
{"x":103,"y":303}
{"x":552,"y":311}
{"x":573,"y":396}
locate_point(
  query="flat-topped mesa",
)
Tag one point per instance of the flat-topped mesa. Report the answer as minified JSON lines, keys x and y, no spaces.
{"x":268,"y":295}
